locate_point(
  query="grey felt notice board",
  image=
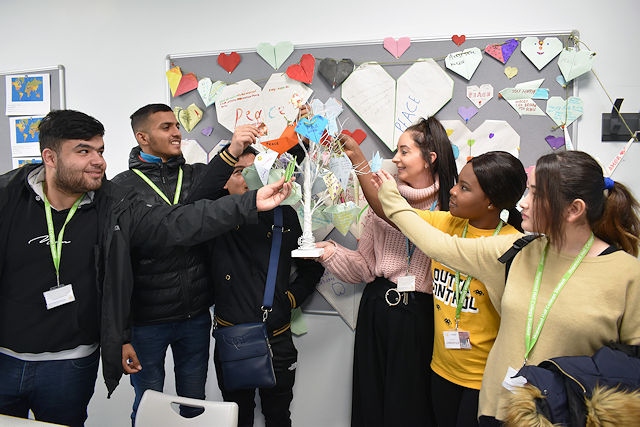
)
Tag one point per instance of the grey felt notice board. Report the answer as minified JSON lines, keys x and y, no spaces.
{"x":57,"y":98}
{"x":531,"y":129}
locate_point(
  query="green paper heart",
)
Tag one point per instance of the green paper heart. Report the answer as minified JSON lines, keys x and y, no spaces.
{"x":275,"y":55}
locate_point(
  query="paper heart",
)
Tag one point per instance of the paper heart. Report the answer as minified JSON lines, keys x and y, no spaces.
{"x":562,"y":112}
{"x":312,"y":128}
{"x":341,"y":168}
{"x":541,"y":52}
{"x":464,"y":62}
{"x":188,"y":117}
{"x":342,"y":215}
{"x":209,"y":90}
{"x":574,"y":63}
{"x":330,"y":110}
{"x":458,"y":40}
{"x":502,"y":52}
{"x":174,"y":74}
{"x":229,"y":62}
{"x":244,"y":102}
{"x":554,"y":142}
{"x":561,"y":81}
{"x":303,"y":72}
{"x":492,"y":135}
{"x":467,"y":112}
{"x":389,"y":107}
{"x":275,"y":55}
{"x":335,"y":72}
{"x":511,"y":72}
{"x":480,"y":95}
{"x":188,"y":82}
{"x":359,"y":135}
{"x":193,"y":152}
{"x":287,"y":140}
{"x":396,"y":47}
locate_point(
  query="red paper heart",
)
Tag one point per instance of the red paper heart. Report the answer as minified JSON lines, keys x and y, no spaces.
{"x":229,"y":62}
{"x":359,"y":135}
{"x":188,"y":82}
{"x":458,"y":39}
{"x":303,"y":72}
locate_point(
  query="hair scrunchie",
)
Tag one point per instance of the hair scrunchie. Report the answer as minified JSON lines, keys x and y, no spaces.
{"x":608,"y":183}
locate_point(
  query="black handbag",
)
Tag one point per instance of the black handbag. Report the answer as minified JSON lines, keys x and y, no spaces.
{"x":243,"y":350}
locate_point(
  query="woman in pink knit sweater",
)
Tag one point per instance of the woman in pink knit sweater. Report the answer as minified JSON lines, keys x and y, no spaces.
{"x":394,"y":334}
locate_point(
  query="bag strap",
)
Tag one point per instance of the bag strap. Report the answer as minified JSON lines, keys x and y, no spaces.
{"x":276,"y":242}
{"x":508,"y":256}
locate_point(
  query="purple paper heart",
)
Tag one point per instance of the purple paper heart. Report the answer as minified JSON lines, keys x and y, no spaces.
{"x":467,"y":112}
{"x":508,"y":48}
{"x":207,"y":131}
{"x":555,"y":142}
{"x":491,"y":135}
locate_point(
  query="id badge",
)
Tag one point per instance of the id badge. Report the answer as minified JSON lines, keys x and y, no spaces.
{"x":457,"y":340}
{"x":58,"y":296}
{"x":406,"y":283}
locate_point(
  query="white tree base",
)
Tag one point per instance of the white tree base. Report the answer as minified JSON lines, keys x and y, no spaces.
{"x":307,"y":253}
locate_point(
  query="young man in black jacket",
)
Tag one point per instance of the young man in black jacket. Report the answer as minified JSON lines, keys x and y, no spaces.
{"x":66,"y":234}
{"x":240,"y":262}
{"x":172,"y":289}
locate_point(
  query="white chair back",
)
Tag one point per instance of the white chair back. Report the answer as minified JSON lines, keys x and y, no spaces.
{"x":156,"y":410}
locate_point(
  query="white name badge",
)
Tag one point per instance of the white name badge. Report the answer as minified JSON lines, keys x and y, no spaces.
{"x":457,"y":340}
{"x":406,"y":283}
{"x":58,"y":296}
{"x":511,"y":382}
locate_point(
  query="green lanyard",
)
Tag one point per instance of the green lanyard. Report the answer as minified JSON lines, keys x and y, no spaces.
{"x":461,"y":292}
{"x":529,"y":340}
{"x":176,"y":196}
{"x":56,"y":245}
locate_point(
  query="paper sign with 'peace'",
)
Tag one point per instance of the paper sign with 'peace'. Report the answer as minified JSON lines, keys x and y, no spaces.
{"x":389,"y":107}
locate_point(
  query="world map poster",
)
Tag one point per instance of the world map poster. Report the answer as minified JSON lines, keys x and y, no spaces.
{"x":28,"y":94}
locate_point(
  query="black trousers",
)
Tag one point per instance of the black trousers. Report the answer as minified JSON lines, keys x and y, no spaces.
{"x":274,"y":401}
{"x":392,"y":358}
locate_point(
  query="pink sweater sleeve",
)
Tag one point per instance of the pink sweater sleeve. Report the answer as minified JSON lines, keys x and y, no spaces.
{"x":354,"y":266}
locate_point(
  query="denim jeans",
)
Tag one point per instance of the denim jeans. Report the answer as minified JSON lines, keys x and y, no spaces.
{"x":189,"y":341}
{"x":56,"y":391}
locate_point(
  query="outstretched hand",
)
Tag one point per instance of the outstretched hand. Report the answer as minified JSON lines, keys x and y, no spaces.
{"x":380,"y":177}
{"x":243,"y":136}
{"x":271,"y":195}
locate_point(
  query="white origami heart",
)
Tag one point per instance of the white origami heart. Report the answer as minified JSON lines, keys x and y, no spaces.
{"x":574,"y":63}
{"x":245,"y":103}
{"x":480,"y":95}
{"x":541,"y":52}
{"x":389,"y":107}
{"x":464,"y":62}
{"x":492,"y":135}
{"x":564,"y":112}
{"x":209,"y":90}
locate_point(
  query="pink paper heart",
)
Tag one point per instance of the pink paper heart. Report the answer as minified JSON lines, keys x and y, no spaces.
{"x":467,"y":112}
{"x":502,"y":52}
{"x":555,"y":142}
{"x":397,"y":47}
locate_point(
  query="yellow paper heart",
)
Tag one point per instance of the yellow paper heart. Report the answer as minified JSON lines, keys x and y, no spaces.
{"x":188,"y":117}
{"x":173,"y":77}
{"x":510,"y":72}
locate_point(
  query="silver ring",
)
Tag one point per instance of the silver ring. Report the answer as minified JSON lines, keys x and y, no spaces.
{"x":386,"y":297}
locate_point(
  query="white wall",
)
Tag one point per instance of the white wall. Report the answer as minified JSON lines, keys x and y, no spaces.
{"x":114,"y":54}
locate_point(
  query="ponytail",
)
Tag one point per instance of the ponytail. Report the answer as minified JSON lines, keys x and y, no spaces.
{"x":619,"y":224}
